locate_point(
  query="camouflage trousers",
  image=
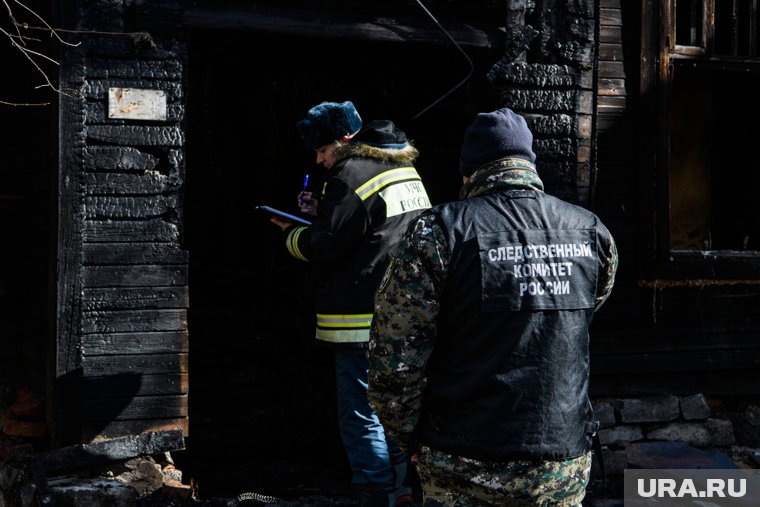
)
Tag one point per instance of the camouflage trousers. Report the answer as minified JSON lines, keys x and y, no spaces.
{"x":453,"y":481}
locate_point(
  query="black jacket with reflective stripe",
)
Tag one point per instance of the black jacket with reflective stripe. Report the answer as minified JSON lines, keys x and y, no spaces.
{"x":508,"y":378}
{"x":369,"y":197}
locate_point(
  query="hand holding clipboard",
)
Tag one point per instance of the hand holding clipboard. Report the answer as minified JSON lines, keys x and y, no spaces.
{"x":282,"y":219}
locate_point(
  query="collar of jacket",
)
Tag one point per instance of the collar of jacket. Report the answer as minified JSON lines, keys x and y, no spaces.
{"x":396,"y":156}
{"x":504,"y":174}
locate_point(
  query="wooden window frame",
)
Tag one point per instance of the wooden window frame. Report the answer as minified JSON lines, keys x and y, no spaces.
{"x":659,"y":54}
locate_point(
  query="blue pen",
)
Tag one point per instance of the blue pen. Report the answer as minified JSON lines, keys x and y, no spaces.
{"x":305,"y":182}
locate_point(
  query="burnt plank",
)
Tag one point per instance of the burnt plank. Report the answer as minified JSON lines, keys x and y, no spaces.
{"x":609,"y":16}
{"x":611,"y":52}
{"x":129,"y":231}
{"x":131,"y":368}
{"x":64,"y":356}
{"x":135,"y":298}
{"x":136,"y":135}
{"x":129,"y":207}
{"x":97,"y":89}
{"x":140,"y":69}
{"x":612,"y":69}
{"x":552,"y":100}
{"x":112,"y":429}
{"x":553,"y":148}
{"x":133,"y":321}
{"x":137,"y":407}
{"x":611,"y":104}
{"x":156,"y":342}
{"x":552,"y":76}
{"x":132,"y":48}
{"x":149,"y":183}
{"x":134,"y":276}
{"x":142,"y":385}
{"x":554,"y":125}
{"x":133,"y":253}
{"x":69,"y":216}
{"x":559,"y":171}
{"x":106,"y":451}
{"x":610,"y":87}
{"x":118,"y":158}
{"x":610,"y":34}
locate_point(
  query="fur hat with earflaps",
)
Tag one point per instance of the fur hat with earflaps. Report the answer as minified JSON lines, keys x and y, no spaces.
{"x":328,"y":122}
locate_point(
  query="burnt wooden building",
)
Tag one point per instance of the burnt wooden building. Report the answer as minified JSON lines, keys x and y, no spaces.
{"x":142,"y":295}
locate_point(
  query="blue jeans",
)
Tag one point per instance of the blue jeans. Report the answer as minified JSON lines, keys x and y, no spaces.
{"x":360,"y":430}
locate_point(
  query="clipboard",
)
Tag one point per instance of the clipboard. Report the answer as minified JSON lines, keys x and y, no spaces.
{"x":281,"y":214}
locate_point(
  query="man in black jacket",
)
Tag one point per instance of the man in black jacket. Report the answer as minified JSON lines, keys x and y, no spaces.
{"x":479,"y":349}
{"x":371,"y":193}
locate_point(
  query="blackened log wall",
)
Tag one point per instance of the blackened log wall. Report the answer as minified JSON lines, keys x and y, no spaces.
{"x":547,"y":74}
{"x":122,"y":339}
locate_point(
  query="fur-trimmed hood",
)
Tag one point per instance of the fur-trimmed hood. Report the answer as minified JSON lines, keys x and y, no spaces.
{"x":380,"y":140}
{"x":405,"y":155}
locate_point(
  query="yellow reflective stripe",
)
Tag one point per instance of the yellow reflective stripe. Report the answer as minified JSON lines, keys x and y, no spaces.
{"x":343,"y":335}
{"x":341,"y":328}
{"x":384,"y":179}
{"x":344,"y":321}
{"x":291,"y":243}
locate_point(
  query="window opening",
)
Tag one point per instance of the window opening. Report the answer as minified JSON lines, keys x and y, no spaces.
{"x":725,"y":28}
{"x":689,"y":23}
{"x":714,"y":192}
{"x":713,"y":118}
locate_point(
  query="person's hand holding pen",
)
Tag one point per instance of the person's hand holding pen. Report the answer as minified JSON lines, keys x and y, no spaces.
{"x":306,"y":202}
{"x":305,"y":184}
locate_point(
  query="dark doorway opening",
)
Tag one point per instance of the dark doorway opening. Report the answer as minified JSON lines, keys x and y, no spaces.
{"x":28,"y":153}
{"x":262,"y":411}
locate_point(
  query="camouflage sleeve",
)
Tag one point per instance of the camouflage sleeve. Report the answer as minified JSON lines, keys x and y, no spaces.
{"x":404,"y":328}
{"x":610,"y":263}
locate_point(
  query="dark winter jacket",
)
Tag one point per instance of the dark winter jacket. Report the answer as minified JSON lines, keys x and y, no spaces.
{"x":369,"y":197}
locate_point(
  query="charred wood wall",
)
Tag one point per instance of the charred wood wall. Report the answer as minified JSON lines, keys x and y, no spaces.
{"x":547,"y":74}
{"x":122,"y":339}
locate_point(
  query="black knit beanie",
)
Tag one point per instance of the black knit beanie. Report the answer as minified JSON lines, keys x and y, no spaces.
{"x":494,"y":136}
{"x":328,"y":122}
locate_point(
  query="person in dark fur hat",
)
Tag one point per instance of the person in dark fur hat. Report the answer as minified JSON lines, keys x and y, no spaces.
{"x":372,"y":191}
{"x":479,"y":345}
{"x":328,"y":122}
